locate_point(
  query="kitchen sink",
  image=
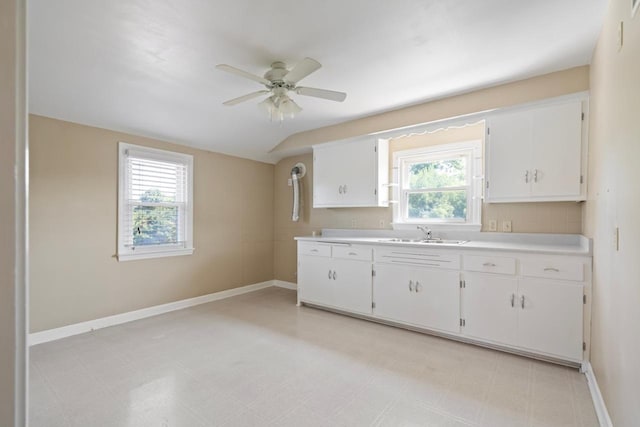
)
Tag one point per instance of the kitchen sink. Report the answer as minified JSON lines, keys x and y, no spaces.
{"x":426,"y":241}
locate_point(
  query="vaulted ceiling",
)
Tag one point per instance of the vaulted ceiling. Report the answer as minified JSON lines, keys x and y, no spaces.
{"x":148,"y":67}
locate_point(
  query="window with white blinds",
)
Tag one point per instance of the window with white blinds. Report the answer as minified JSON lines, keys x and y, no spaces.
{"x":155,"y":206}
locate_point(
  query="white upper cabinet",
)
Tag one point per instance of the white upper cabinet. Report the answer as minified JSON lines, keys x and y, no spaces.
{"x":537,"y":154}
{"x":352,"y":173}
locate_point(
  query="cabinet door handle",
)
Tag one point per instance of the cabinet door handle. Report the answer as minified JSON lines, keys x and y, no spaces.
{"x":513,"y":300}
{"x":526,"y":176}
{"x":535,"y":175}
{"x":334,"y":275}
{"x":489,"y":264}
{"x":340,"y":189}
{"x":522,"y":301}
{"x":555,"y":270}
{"x":344,"y":189}
{"x":314,"y":250}
{"x":418,"y":286}
{"x":329,"y":274}
{"x":410,"y":285}
{"x":353,"y":253}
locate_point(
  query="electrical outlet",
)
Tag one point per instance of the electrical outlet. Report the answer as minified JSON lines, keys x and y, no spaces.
{"x":382,"y":223}
{"x":493,"y":225}
{"x":506,"y":226}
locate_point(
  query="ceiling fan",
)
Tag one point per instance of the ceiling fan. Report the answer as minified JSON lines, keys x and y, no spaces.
{"x":279,"y":81}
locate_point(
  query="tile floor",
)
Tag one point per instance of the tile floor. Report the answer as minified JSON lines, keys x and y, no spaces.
{"x":257,"y":359}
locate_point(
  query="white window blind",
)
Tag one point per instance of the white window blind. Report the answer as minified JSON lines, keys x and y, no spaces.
{"x":155,"y":206}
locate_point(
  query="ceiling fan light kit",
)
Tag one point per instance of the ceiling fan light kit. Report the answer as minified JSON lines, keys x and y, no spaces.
{"x":279,"y":81}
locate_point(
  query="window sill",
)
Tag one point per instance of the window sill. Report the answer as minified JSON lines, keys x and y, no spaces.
{"x":436,"y":226}
{"x":149,"y":255}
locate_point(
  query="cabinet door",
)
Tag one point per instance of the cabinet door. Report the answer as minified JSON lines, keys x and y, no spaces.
{"x":436,"y":299}
{"x":550,"y":317}
{"x":391,"y":293}
{"x":352,"y":285}
{"x":557,"y":141}
{"x":315,"y":280}
{"x":346,"y":174}
{"x":509,"y":156}
{"x":489,"y":307}
{"x":327,"y":176}
{"x":428,"y":298}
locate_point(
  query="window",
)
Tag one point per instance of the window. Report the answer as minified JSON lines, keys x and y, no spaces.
{"x":155,"y":203}
{"x":439,"y":185}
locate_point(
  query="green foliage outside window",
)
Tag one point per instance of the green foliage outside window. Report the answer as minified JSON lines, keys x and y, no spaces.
{"x":154,"y":225}
{"x":438,"y":175}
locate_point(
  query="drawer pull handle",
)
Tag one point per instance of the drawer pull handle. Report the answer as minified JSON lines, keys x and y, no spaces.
{"x":334,"y":275}
{"x":329,"y":274}
{"x":314,"y":250}
{"x":353,"y":253}
{"x":555,"y":270}
{"x":489,"y":264}
{"x":513,"y":300}
{"x":522,"y":301}
{"x":410,"y":285}
{"x":418,"y":286}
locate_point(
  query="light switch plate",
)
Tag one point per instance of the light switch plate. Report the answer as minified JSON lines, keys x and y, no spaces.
{"x":506,"y":226}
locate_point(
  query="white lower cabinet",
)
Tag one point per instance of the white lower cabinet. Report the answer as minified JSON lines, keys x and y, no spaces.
{"x":314,"y":272}
{"x":550,"y":317}
{"x":340,"y":283}
{"x":534,"y":314}
{"x":489,"y":307}
{"x":423,"y":297}
{"x":530,"y":303}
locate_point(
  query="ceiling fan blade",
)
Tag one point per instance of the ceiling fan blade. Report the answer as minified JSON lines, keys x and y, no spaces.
{"x":246,"y":97}
{"x":302,"y":70}
{"x":245,"y":74}
{"x":322,"y":93}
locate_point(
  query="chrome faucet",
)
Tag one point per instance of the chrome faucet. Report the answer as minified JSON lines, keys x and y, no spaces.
{"x":426,"y":231}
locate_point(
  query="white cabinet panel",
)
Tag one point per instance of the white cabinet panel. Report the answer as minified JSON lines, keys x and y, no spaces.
{"x":536,"y":154}
{"x":351,"y":173}
{"x":556,"y":158}
{"x":315,"y":279}
{"x":423,"y":297}
{"x":550,"y":317}
{"x":352,"y":287}
{"x":509,"y":150}
{"x":436,"y":302}
{"x":489,"y":307}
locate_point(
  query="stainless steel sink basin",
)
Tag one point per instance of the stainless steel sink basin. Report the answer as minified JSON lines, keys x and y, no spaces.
{"x":426,"y":241}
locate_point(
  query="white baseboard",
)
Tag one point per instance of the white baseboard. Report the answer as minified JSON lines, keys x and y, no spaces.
{"x":596,"y":396}
{"x":286,"y":285}
{"x":117,"y":319}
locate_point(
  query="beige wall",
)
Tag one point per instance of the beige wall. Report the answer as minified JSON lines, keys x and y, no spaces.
{"x":74,"y":274}
{"x":12,"y":227}
{"x":614,"y":201}
{"x":525,"y":217}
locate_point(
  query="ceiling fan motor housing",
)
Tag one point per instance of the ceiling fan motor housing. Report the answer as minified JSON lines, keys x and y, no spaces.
{"x":276,"y":75}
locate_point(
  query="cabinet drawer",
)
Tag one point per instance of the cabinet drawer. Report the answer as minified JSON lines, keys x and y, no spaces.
{"x":315,"y":249}
{"x":490,"y":264}
{"x":549,"y":268}
{"x":418,"y":257}
{"x":353,"y":252}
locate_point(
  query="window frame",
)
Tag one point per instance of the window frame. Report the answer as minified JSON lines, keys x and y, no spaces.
{"x":126,"y":251}
{"x":472,"y":151}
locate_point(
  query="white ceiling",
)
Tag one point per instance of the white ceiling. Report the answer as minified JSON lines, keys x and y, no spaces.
{"x":148,"y":67}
